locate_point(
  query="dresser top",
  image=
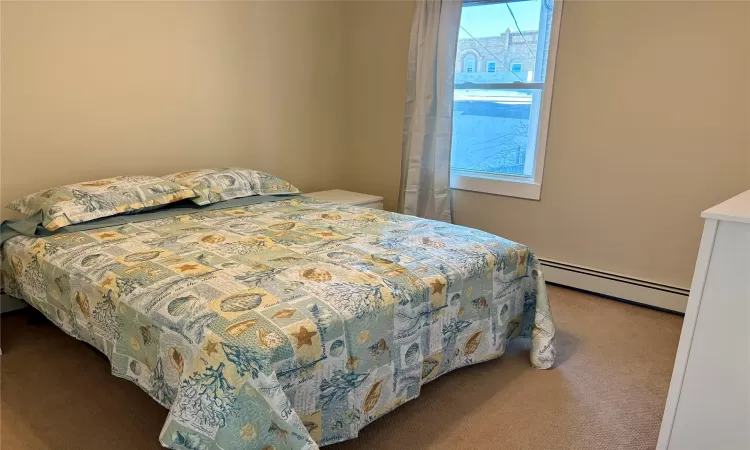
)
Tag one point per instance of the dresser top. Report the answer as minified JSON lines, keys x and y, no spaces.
{"x":736,"y":209}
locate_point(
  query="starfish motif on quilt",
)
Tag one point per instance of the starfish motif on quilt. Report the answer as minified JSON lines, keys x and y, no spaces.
{"x":210,"y":347}
{"x":437,"y":287}
{"x":186,"y":267}
{"x":304,"y":337}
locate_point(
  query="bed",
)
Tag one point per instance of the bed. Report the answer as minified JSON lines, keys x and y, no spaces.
{"x":282,"y":322}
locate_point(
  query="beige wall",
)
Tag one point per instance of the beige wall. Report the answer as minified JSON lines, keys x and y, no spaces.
{"x":649,"y":118}
{"x":377,"y":47}
{"x":649,"y":126}
{"x":95,"y":89}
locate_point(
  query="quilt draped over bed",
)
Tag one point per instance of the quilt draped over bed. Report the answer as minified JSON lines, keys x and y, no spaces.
{"x":284,"y":324}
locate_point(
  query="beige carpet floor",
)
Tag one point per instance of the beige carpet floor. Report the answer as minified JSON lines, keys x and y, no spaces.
{"x":607,"y":391}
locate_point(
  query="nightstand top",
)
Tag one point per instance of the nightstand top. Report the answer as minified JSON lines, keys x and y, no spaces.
{"x":346,"y":197}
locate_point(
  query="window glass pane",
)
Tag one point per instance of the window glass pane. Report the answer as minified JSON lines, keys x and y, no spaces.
{"x":491,"y":130}
{"x":470,"y":62}
{"x":495,"y":128}
{"x":507,"y":33}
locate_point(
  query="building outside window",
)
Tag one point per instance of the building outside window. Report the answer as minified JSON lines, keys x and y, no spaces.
{"x":500,"y":116}
{"x":470,"y":63}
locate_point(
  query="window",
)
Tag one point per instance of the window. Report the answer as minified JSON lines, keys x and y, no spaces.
{"x":500,"y":117}
{"x":470,"y":63}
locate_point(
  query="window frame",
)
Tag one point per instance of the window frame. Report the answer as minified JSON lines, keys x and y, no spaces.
{"x":494,"y":68}
{"x":514,"y":185}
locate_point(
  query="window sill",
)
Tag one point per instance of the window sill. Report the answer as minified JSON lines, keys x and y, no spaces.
{"x":509,"y":186}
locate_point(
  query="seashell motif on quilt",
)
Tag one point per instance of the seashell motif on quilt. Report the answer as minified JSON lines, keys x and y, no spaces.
{"x":239,"y":328}
{"x":213,"y":239}
{"x":269,"y":339}
{"x":479,"y":303}
{"x":284,"y":313}
{"x":90,"y":259}
{"x":429,"y":242}
{"x":428,"y":365}
{"x":181,"y":305}
{"x":284,"y":226}
{"x":146,"y":335}
{"x":135,"y":367}
{"x":177,"y":360}
{"x":337,"y":348}
{"x":317,"y":275}
{"x":286,"y":259}
{"x":379,"y":348}
{"x":17,"y":265}
{"x":411,"y":357}
{"x":140,"y":257}
{"x":83,"y":303}
{"x":372,"y":397}
{"x":339,"y":255}
{"x":473,"y":343}
{"x":241,"y":302}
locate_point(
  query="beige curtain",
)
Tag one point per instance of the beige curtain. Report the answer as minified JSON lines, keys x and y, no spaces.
{"x":428,"y":119}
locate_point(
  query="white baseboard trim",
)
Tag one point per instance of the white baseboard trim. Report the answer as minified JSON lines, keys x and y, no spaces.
{"x":8,"y":303}
{"x":614,"y":285}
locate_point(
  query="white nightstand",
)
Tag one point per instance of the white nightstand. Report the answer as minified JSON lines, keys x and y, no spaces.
{"x":348,"y":198}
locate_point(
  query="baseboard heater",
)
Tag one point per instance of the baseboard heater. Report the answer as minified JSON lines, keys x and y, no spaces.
{"x":616,"y":286}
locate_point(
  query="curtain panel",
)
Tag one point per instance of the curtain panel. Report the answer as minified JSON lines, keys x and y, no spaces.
{"x":428,"y":119}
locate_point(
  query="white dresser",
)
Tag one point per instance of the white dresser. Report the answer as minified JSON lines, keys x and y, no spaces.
{"x":708,"y":406}
{"x":348,"y":198}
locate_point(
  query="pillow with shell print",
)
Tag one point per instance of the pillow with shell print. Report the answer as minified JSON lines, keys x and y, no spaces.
{"x":267,"y":184}
{"x":81,"y":202}
{"x":216,"y":185}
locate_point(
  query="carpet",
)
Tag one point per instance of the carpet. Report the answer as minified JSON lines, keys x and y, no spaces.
{"x":607,"y":390}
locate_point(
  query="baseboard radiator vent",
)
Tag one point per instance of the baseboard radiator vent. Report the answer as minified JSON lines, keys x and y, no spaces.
{"x":620,"y":287}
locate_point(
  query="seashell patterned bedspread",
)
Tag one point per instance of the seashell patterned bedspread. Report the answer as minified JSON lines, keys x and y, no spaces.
{"x":285,"y":324}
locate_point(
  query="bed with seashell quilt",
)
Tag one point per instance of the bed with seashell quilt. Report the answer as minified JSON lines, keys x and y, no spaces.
{"x":286,"y":323}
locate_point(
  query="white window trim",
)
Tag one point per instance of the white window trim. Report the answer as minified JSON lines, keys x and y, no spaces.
{"x":517,"y":186}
